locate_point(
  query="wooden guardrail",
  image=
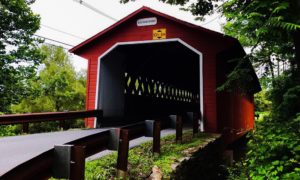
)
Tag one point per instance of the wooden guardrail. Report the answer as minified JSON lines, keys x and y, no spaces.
{"x":41,"y":167}
{"x":25,"y":119}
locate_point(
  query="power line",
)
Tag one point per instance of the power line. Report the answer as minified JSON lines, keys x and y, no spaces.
{"x":95,"y":9}
{"x":54,"y":29}
{"x":56,"y":45}
{"x":54,"y":40}
{"x":219,"y":6}
{"x":210,"y":21}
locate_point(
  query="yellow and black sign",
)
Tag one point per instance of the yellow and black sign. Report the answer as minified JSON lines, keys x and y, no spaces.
{"x":159,"y":34}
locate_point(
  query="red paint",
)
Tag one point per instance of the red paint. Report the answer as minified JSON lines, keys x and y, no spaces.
{"x":208,"y":42}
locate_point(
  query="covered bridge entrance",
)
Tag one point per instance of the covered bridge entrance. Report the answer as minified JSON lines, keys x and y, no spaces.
{"x":148,"y":79}
{"x":150,"y":64}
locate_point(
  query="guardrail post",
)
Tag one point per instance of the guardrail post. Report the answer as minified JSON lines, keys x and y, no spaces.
{"x":77,"y":163}
{"x":195,"y":123}
{"x":114,"y":139}
{"x":156,"y":136}
{"x":122,"y":160}
{"x":69,"y":162}
{"x":62,"y":124}
{"x":62,"y":161}
{"x":25,"y":127}
{"x":178,"y":128}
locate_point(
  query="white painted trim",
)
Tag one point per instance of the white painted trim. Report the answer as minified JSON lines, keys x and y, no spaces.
{"x":97,"y":89}
{"x":155,"y":41}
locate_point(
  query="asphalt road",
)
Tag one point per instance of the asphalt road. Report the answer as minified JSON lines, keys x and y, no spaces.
{"x":15,"y":150}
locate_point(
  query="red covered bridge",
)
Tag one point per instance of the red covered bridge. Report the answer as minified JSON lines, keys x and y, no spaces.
{"x":149,"y":61}
{"x":142,"y":71}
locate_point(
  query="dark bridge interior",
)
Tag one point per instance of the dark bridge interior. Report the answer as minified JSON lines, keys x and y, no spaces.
{"x":139,"y":81}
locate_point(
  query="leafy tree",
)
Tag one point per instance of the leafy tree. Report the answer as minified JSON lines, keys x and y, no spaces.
{"x":57,"y":87}
{"x":271,"y":28}
{"x":19,"y":51}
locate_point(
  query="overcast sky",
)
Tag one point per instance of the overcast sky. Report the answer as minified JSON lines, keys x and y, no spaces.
{"x":79,"y":22}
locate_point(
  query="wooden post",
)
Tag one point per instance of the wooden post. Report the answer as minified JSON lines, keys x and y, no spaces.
{"x":62,"y":124}
{"x":156,"y":136}
{"x":77,"y":163}
{"x":178,"y":128}
{"x":195,"y":123}
{"x":25,"y":128}
{"x":122,"y":160}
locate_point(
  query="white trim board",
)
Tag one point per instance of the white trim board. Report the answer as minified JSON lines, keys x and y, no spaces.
{"x":152,"y":42}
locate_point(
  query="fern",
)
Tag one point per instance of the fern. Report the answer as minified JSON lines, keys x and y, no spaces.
{"x":289,"y":26}
{"x":281,"y":7}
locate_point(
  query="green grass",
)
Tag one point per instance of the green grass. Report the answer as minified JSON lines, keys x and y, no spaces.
{"x":141,"y":159}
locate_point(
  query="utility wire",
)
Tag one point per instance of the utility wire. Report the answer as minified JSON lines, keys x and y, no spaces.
{"x":54,"y":40}
{"x":210,"y":21}
{"x":56,"y":45}
{"x":219,"y":6}
{"x":54,"y":29}
{"x":95,"y":9}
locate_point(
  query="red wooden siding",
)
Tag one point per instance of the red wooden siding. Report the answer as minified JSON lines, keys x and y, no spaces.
{"x":235,"y":109}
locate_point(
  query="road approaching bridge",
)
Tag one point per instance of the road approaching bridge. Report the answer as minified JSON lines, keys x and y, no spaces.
{"x":36,"y":156}
{"x":16,"y":150}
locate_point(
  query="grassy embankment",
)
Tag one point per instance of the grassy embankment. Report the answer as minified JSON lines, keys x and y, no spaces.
{"x":141,"y":159}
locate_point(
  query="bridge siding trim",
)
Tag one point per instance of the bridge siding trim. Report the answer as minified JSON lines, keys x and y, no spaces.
{"x":209,"y":43}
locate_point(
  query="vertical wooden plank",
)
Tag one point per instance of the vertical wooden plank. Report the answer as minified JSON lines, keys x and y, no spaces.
{"x":178,"y":128}
{"x":77,"y":163}
{"x":122,"y":160}
{"x":156,"y":136}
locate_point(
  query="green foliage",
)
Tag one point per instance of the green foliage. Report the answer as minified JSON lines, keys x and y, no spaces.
{"x":268,"y":27}
{"x":57,"y":87}
{"x":274,"y":151}
{"x":240,"y":78}
{"x":19,"y":52}
{"x":290,"y":104}
{"x":285,"y":97}
{"x":9,"y":130}
{"x":141,"y":160}
{"x":262,"y":103}
{"x":103,"y":168}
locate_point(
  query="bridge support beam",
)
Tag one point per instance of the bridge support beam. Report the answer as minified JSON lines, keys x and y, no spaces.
{"x":195,"y":123}
{"x":123,"y":149}
{"x":156,"y":136}
{"x":153,"y":128}
{"x":178,"y":128}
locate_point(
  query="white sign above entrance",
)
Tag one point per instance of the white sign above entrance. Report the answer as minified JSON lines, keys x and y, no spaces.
{"x":146,"y":21}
